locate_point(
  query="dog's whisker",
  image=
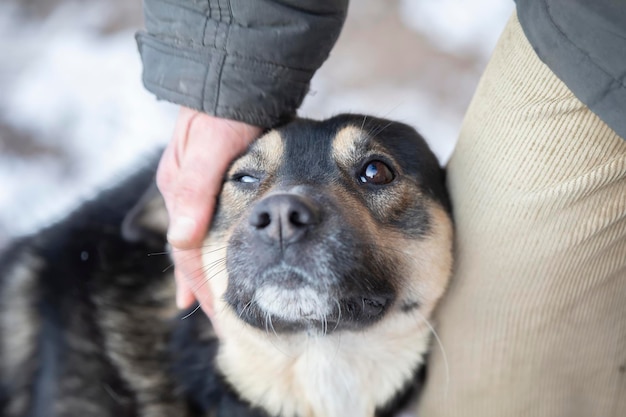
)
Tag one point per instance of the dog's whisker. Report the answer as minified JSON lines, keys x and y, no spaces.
{"x":214,"y":273}
{"x":209,"y":278}
{"x":158,"y":253}
{"x":197,"y":273}
{"x":245,"y":307}
{"x":338,"y":314}
{"x":198,"y":252}
{"x":363,"y":122}
{"x":189,"y":258}
{"x":272,"y":326}
{"x":211,"y":242}
{"x":268,"y":319}
{"x":109,"y":390}
{"x":195,"y":288}
{"x":214,"y":270}
{"x":204,"y":267}
{"x":379,"y":130}
{"x":323,"y":323}
{"x":391,"y":110}
{"x":441,"y":348}
{"x":204,"y":252}
{"x":267,"y":316}
{"x":224,"y":308}
{"x":205,"y":270}
{"x":218,"y":262}
{"x":183,"y":250}
{"x":186,"y":316}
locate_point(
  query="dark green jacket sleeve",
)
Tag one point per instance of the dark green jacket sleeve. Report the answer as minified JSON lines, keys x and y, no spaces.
{"x":584,"y":43}
{"x":247,"y":60}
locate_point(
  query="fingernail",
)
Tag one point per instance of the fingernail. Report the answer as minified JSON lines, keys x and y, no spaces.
{"x":181,"y":230}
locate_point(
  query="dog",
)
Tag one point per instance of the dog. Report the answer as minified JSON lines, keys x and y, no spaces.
{"x":329,"y":248}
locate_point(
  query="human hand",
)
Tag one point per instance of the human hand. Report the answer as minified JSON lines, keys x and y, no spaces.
{"x":190,"y":176}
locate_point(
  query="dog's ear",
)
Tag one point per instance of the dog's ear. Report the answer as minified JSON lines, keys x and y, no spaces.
{"x":147,"y":219}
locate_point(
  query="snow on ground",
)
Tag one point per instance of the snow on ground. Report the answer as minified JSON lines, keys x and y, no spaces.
{"x":79,"y":91}
{"x":73,"y":112}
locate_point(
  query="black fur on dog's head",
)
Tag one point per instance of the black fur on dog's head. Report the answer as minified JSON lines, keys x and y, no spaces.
{"x":336,"y":231}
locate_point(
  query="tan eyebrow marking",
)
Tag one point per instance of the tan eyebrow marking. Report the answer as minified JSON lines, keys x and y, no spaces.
{"x":272,"y":148}
{"x":348,"y":144}
{"x":266,"y":154}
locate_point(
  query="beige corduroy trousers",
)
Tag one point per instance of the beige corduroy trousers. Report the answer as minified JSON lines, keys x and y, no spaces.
{"x":534,"y":322}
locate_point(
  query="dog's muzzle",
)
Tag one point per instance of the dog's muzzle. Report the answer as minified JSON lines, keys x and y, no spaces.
{"x":296,"y":264}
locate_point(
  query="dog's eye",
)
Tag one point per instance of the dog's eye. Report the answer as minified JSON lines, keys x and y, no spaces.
{"x":245,"y":179}
{"x":376,"y":173}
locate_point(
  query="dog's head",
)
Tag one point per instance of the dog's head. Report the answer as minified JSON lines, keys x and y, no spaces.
{"x":332,"y":225}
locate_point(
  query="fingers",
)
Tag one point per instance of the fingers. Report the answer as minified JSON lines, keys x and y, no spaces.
{"x":197,"y":185}
{"x":190,"y":177}
{"x":188,"y":274}
{"x":184,"y":184}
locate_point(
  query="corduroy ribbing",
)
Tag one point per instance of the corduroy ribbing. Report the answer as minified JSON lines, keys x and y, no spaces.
{"x":534,"y":322}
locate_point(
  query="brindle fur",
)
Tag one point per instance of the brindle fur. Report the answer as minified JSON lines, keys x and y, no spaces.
{"x":88,"y":325}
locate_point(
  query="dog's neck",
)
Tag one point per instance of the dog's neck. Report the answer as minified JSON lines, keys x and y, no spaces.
{"x":336,"y":375}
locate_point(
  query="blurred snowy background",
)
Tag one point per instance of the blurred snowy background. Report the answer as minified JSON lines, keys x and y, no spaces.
{"x":73,"y":112}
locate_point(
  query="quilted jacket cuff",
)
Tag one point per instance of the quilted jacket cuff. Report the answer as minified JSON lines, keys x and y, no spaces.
{"x":233,"y":87}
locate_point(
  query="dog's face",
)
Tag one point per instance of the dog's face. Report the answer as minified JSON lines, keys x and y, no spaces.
{"x":331,"y":226}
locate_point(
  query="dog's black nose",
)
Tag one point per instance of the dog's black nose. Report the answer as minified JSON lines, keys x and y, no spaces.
{"x":284,"y":218}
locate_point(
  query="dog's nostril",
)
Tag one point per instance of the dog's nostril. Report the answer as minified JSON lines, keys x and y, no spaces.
{"x":260,"y":219}
{"x":300,"y":218}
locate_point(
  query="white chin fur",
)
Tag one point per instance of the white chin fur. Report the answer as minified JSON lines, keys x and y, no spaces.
{"x":292,"y":304}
